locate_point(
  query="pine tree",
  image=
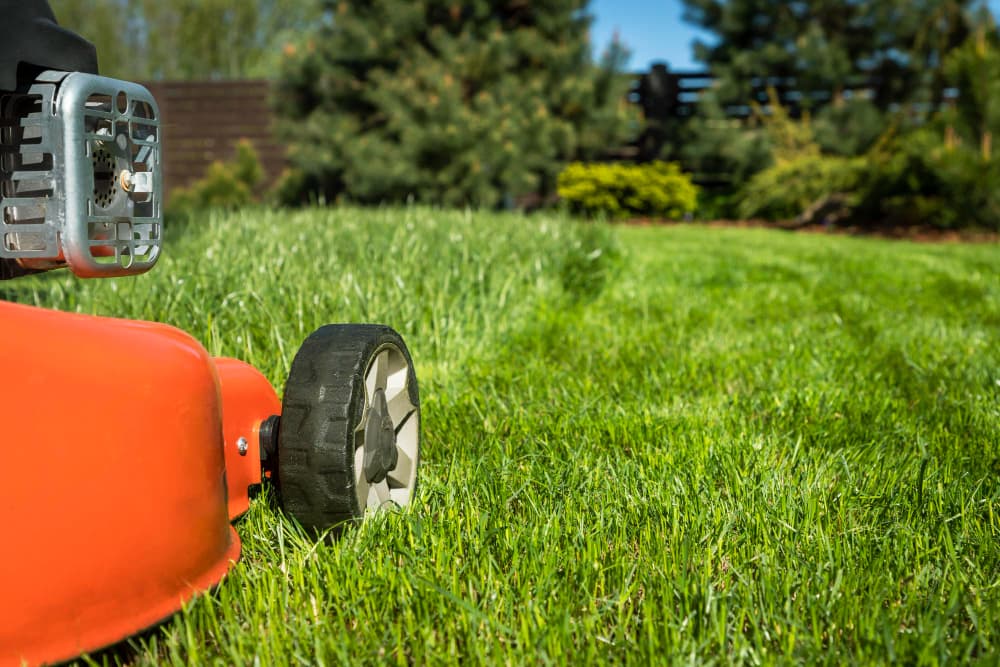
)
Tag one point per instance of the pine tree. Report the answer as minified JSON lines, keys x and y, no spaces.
{"x":455,"y":103}
{"x":974,"y":68}
{"x":827,"y":45}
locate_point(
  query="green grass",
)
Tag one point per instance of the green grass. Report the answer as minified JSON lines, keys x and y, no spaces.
{"x":643,"y":445}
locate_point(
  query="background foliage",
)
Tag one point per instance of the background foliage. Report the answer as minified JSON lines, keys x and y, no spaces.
{"x":484,"y":103}
{"x":227,"y":185}
{"x":898,"y":104}
{"x":828,"y":45}
{"x":142,"y":40}
{"x":474,"y":103}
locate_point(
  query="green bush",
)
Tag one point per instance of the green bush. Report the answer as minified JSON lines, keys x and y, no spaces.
{"x":719,"y":203}
{"x":785,"y":190}
{"x":800,"y":174}
{"x":654,"y":189}
{"x":973,"y":185}
{"x":917,"y":179}
{"x":909,"y":179}
{"x":226,"y":185}
{"x":942,"y":174}
{"x":902,"y":185}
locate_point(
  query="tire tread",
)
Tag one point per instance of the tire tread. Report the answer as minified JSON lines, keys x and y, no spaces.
{"x":322,"y":406}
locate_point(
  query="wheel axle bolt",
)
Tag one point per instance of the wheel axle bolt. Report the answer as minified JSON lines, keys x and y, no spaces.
{"x":242,"y":445}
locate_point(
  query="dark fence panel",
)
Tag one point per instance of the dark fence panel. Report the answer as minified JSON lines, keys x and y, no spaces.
{"x":203,"y":121}
{"x":664,"y":94}
{"x":668,"y":98}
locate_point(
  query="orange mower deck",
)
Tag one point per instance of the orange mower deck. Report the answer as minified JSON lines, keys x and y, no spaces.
{"x":128,"y":450}
{"x":113,"y":485}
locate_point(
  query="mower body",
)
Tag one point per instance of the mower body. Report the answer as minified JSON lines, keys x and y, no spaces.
{"x":127,"y":451}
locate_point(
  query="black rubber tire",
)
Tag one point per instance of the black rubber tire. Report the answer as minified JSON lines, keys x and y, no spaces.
{"x":322,"y":407}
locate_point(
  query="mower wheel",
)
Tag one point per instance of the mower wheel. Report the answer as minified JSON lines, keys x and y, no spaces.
{"x":349,"y":438}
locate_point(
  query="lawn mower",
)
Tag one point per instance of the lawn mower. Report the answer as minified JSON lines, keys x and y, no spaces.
{"x":127,"y":450}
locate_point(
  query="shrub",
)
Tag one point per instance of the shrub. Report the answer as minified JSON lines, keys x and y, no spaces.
{"x":785,"y":190}
{"x":910,"y":179}
{"x":731,"y":153}
{"x":918,"y":179}
{"x":972,"y":182}
{"x":291,"y":185}
{"x":720,"y":203}
{"x":225,"y":185}
{"x":654,"y":189}
{"x":788,"y":138}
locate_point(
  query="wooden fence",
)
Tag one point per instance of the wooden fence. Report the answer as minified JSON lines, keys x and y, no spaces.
{"x":667,"y":97}
{"x":203,"y":121}
{"x":665,"y":94}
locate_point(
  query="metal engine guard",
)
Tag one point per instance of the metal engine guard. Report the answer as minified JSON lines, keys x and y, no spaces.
{"x":80,"y":175}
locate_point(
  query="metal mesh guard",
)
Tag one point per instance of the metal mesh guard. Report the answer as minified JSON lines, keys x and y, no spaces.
{"x":80,"y":177}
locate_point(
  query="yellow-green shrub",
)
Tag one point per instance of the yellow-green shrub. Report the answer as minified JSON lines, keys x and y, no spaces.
{"x":654,"y":189}
{"x":788,"y":188}
{"x":225,"y":184}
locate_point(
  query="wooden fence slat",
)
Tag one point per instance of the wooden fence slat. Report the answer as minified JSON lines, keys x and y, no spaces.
{"x":202,"y":122}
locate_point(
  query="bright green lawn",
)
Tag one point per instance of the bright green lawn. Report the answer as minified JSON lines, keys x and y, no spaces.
{"x":749,"y":446}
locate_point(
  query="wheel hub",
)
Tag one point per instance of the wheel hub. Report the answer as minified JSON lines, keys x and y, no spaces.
{"x":380,"y":440}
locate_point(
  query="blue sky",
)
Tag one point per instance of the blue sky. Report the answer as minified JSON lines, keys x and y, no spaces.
{"x":653,"y":30}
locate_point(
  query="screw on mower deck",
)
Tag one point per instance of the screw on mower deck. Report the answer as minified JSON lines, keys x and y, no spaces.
{"x":118,"y":489}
